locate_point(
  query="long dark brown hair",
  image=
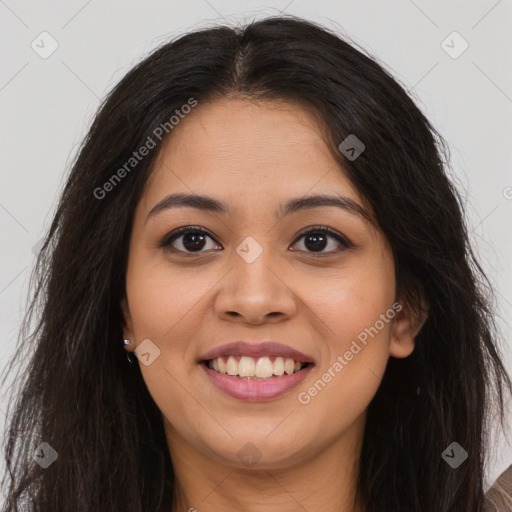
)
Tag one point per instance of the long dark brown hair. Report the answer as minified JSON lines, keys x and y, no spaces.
{"x":78,"y":393}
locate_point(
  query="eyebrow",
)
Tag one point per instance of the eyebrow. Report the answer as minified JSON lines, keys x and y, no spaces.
{"x":209,"y":204}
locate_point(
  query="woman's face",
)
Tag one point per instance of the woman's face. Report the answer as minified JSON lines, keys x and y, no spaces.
{"x":253,"y":277}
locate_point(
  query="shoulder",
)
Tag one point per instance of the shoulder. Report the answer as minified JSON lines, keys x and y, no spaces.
{"x":499,"y":497}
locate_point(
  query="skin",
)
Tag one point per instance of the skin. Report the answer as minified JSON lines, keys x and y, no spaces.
{"x":255,"y":156}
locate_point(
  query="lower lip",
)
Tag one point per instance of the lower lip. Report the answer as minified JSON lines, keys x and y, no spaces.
{"x":256,"y":390}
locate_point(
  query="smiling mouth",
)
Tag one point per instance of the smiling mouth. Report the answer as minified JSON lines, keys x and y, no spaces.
{"x":256,"y":368}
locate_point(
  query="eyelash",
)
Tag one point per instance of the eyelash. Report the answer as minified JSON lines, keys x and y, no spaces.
{"x":174,"y":235}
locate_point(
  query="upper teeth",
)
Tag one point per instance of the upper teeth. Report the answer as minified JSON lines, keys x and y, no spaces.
{"x":261,"y":367}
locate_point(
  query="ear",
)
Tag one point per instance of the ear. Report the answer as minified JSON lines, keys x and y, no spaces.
{"x":127,"y":324}
{"x":406,"y":325}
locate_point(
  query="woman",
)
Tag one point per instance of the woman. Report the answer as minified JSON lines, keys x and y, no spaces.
{"x":262,"y":219}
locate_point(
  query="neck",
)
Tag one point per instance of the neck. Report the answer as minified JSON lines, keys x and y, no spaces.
{"x":325,"y":480}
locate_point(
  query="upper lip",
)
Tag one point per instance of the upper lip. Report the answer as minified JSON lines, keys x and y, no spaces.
{"x":265,"y":348}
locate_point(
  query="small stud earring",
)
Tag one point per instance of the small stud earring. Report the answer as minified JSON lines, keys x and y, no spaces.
{"x":128,"y":354}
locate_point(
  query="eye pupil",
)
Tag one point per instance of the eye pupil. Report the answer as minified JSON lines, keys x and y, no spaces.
{"x":190,"y":240}
{"x":318,"y":241}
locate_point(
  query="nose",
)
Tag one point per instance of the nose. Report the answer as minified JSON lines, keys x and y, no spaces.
{"x":255,"y":293}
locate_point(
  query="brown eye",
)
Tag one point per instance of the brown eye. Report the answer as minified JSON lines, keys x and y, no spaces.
{"x":317,"y":239}
{"x":188,"y":239}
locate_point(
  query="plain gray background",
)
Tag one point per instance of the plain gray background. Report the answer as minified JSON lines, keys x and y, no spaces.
{"x":47,"y":102}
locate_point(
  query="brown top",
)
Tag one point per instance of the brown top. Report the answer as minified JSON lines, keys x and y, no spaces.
{"x":499,"y":497}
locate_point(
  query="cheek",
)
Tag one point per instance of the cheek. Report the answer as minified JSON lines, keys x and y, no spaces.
{"x":353,"y":299}
{"x":356,"y":316}
{"x":164,"y":302}
{"x":165,"y":308}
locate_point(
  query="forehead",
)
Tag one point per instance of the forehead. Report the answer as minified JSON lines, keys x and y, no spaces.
{"x":245,"y":150}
